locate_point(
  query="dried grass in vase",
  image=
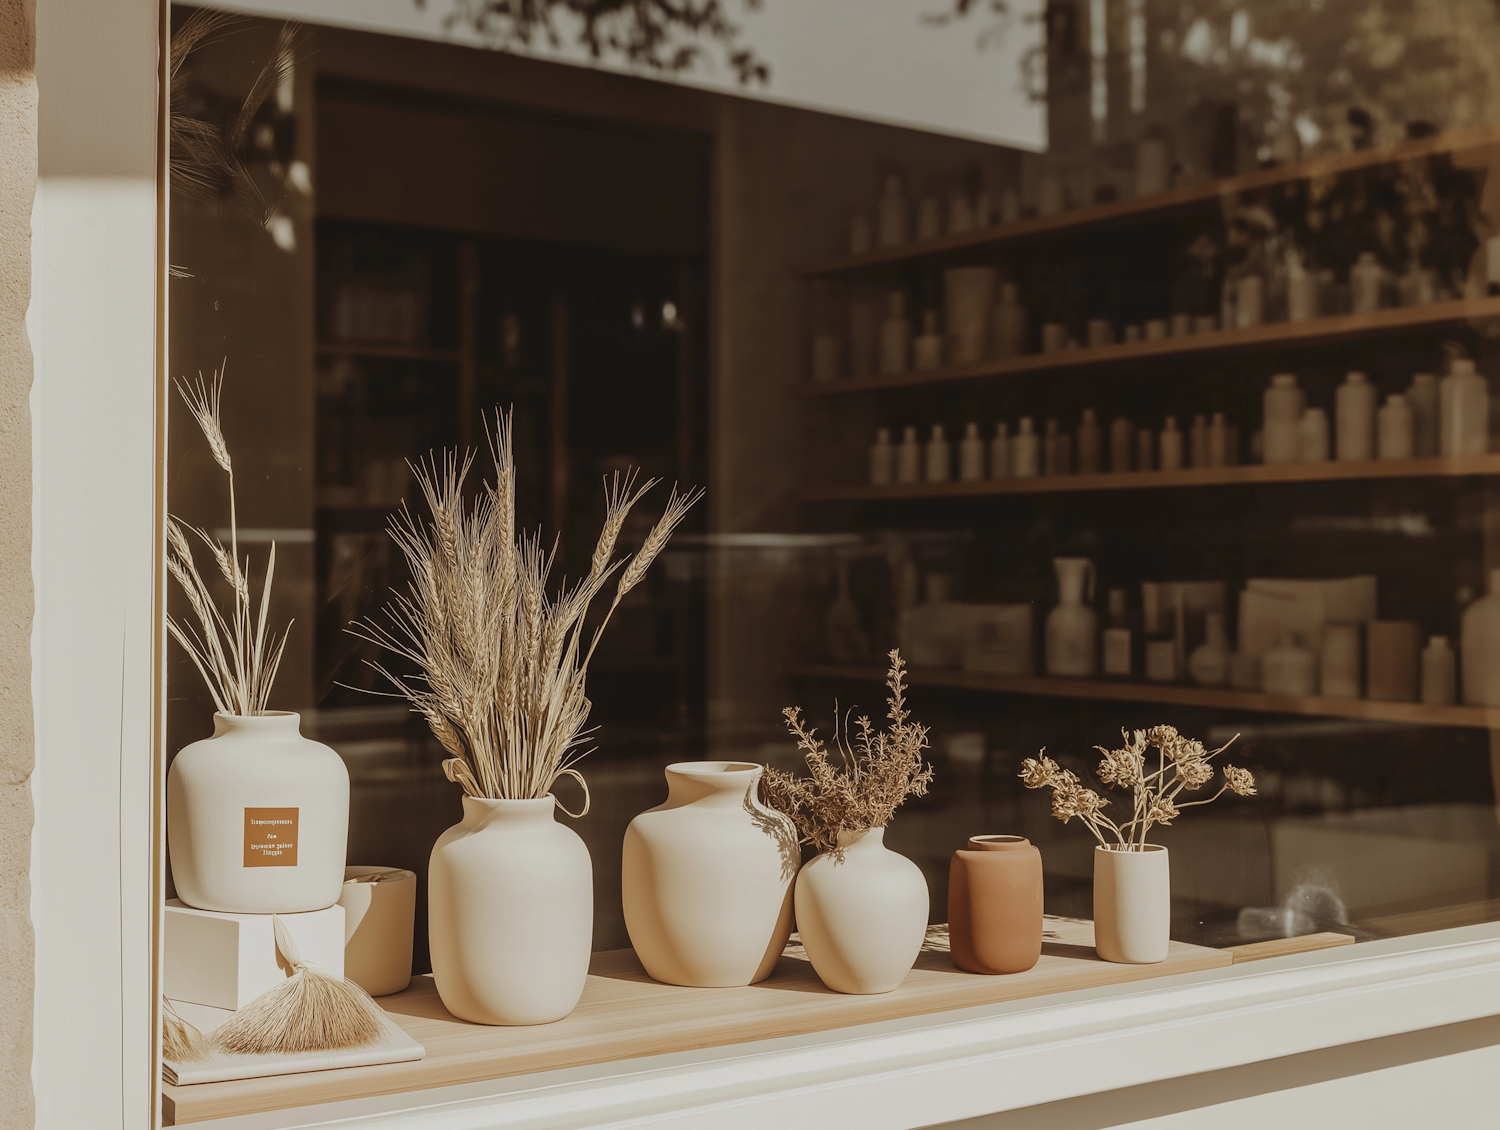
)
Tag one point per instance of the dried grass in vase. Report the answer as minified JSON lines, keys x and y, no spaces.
{"x":1182,"y":765}
{"x":871,"y":778}
{"x":501,"y":659}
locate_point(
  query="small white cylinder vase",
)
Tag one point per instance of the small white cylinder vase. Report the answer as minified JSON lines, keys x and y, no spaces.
{"x":258,"y":818}
{"x":510,"y":909}
{"x":862,"y":914}
{"x":1132,"y":905}
{"x":380,"y":905}
{"x":707,"y":878}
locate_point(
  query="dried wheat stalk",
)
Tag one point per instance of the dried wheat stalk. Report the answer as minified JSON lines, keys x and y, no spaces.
{"x":501,"y":659}
{"x":310,"y":1011}
{"x":876,"y":773}
{"x":1182,"y":764}
{"x":235,"y":654}
{"x":180,"y":1041}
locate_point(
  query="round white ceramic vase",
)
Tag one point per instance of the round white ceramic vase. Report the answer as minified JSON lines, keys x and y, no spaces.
{"x":707,"y":878}
{"x":1132,"y":904}
{"x":510,"y":913}
{"x":862,"y":914}
{"x":258,"y":818}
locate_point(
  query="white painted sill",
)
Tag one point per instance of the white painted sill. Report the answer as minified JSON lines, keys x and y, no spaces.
{"x":923,"y":1070}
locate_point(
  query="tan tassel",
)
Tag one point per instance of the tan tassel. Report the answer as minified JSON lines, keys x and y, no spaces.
{"x":180,"y":1041}
{"x":308,"y":1012}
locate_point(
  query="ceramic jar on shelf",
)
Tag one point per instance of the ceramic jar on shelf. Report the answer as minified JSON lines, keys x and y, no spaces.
{"x":995,"y":905}
{"x":510,"y":913}
{"x":707,"y":878}
{"x":862,"y":913}
{"x":258,"y":818}
{"x":1132,"y":904}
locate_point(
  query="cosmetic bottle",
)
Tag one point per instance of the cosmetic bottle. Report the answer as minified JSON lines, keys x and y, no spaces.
{"x":1282,"y":403}
{"x":895,"y":335}
{"x":1289,"y":668}
{"x":1099,"y":331}
{"x":1170,"y":448}
{"x":1010,"y":322}
{"x":909,"y":457}
{"x":1394,"y":429}
{"x":1249,"y":301}
{"x":1301,"y":290}
{"x":927,"y":350}
{"x":1026,"y":451}
{"x":1365,"y":280}
{"x":1463,"y":410}
{"x":1118,"y":643}
{"x":971,"y":454}
{"x":1218,"y":442}
{"x":1354,"y":418}
{"x":1073,"y":625}
{"x":1090,"y":444}
{"x":1209,"y":663}
{"x":1313,"y":435}
{"x":882,"y":459}
{"x":939,"y":461}
{"x":1438,"y":672}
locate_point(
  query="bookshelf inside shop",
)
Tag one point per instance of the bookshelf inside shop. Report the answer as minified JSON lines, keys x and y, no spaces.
{"x":1225,"y":448}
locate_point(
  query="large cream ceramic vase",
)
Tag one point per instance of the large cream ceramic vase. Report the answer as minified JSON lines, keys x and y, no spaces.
{"x":1132,"y":904}
{"x":510,"y":913}
{"x":258,"y":818}
{"x":862,"y":914}
{"x":707,"y":878}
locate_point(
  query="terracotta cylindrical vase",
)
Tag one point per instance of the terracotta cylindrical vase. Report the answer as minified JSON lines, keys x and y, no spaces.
{"x":707,"y":878}
{"x":258,"y":818}
{"x":510,"y":908}
{"x":1132,"y":904}
{"x":995,"y":905}
{"x":862,"y":914}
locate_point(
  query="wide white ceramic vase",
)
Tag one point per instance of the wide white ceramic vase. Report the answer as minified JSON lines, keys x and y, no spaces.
{"x":510,"y":913}
{"x":862,"y":914}
{"x":707,"y":878}
{"x":1132,"y":904}
{"x":258,"y":818}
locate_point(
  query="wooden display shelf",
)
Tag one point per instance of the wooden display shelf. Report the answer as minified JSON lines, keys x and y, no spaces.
{"x":1311,"y":331}
{"x":1175,"y":694}
{"x":1249,"y":474}
{"x":389,"y":352}
{"x":1140,"y":207}
{"x":625,"y":1015}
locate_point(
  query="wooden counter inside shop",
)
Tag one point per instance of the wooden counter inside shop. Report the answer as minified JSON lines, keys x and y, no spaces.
{"x":624,"y":1015}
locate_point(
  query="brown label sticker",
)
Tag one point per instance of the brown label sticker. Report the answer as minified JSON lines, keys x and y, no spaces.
{"x":270,"y":837}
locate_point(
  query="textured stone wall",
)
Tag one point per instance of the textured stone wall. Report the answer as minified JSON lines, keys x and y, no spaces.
{"x":17,"y":187}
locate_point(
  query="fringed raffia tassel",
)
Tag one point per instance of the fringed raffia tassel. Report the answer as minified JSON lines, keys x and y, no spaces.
{"x":308,"y":1012}
{"x":180,"y":1041}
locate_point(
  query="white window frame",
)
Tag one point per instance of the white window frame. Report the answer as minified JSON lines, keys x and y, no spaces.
{"x":97,"y":323}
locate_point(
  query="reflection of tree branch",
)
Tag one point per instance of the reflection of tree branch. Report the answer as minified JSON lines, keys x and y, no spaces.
{"x":992,"y":36}
{"x":655,"y":35}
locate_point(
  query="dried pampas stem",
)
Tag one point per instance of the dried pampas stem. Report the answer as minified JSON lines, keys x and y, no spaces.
{"x":310,"y":1011}
{"x":180,"y":1041}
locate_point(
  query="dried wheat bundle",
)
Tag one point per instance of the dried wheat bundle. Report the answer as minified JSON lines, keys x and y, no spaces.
{"x":180,"y":1041}
{"x":308,"y":1012}
{"x":1182,"y":765}
{"x":873,"y":777}
{"x":234,"y":653}
{"x":501,"y":659}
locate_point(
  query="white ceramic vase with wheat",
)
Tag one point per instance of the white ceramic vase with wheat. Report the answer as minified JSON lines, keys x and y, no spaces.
{"x":1132,"y":904}
{"x":510,"y":913}
{"x":707,"y":878}
{"x":258,"y":818}
{"x":862,"y":914}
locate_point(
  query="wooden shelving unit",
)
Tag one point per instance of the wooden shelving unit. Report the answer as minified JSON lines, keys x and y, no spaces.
{"x":1142,"y":207}
{"x":1248,"y":475}
{"x":389,"y":352}
{"x":1313,"y":331}
{"x":1174,"y":694}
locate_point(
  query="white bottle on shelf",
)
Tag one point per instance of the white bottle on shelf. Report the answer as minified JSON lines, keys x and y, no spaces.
{"x":1026,"y":451}
{"x":1312,"y":434}
{"x":1249,"y":301}
{"x":1000,"y":467}
{"x":1289,"y":668}
{"x":1118,"y":645}
{"x":1365,"y":280}
{"x":1010,"y":322}
{"x":1438,"y":672}
{"x":893,"y":214}
{"x":1169,"y":450}
{"x":1394,"y":429}
{"x":1301,"y":290}
{"x":939,"y":456}
{"x":1479,"y":647}
{"x":895,"y":335}
{"x":1072,"y":626}
{"x":909,"y":457}
{"x":927,"y":350}
{"x":882,"y":459}
{"x":971,"y":454}
{"x":1354,"y":418}
{"x":1463,"y":410}
{"x":1424,"y":398}
{"x":1090,"y":444}
{"x":1282,"y":405}
{"x":1209,"y":662}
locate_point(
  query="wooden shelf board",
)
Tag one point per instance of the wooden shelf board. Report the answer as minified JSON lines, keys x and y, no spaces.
{"x":1175,"y":694}
{"x":624,"y":1015}
{"x":1280,"y":947}
{"x":1311,"y":331}
{"x":1331,"y":471}
{"x":1121,"y":211}
{"x":388,"y":352}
